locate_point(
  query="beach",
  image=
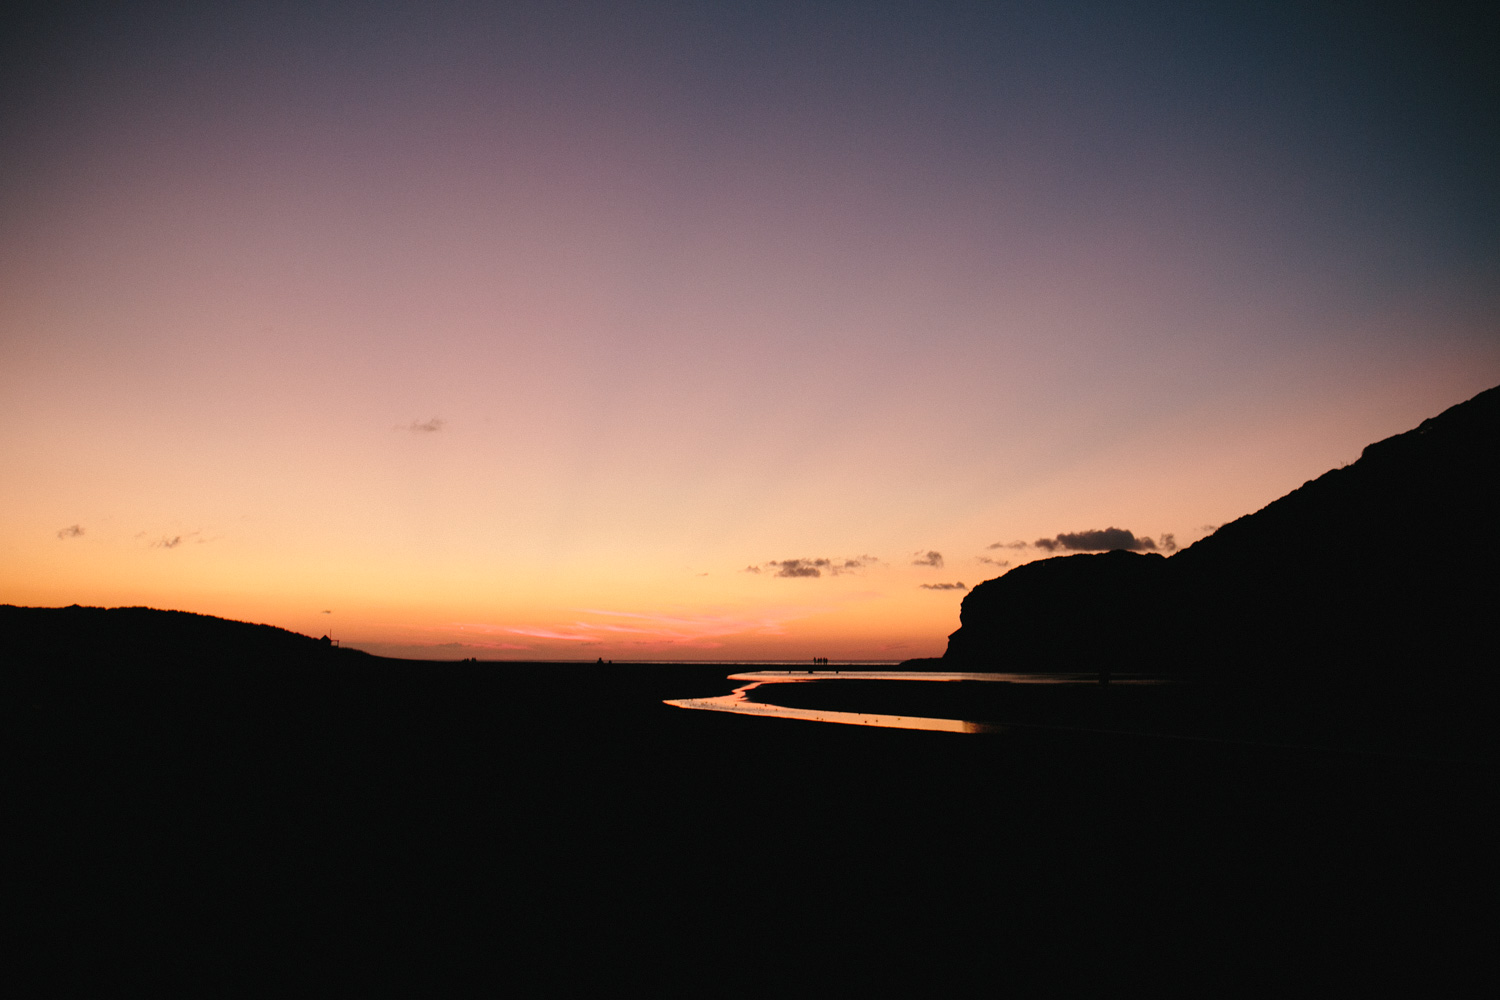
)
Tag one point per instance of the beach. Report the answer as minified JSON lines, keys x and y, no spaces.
{"x":526,"y":807}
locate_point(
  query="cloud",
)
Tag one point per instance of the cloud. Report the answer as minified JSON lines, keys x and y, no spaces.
{"x":543,"y":633}
{"x":656,"y":630}
{"x":1097,"y":540}
{"x":1008,"y":545}
{"x":71,"y":531}
{"x":933,"y":559}
{"x":808,"y":568}
{"x":801,"y":567}
{"x":171,"y":542}
{"x":1168,"y":542}
{"x":427,"y":426}
{"x":943,"y":586}
{"x":992,"y":562}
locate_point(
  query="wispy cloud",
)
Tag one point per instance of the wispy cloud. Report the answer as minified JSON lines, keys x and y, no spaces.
{"x":71,"y":531}
{"x":943,"y":586}
{"x":436,"y":650}
{"x":543,"y":633}
{"x":644,"y":629}
{"x":998,"y":563}
{"x":425,"y":426}
{"x":1009,"y":545}
{"x":929,"y":558}
{"x":172,"y":541}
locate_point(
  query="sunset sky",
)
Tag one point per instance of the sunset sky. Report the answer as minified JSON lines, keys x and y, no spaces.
{"x":704,"y":330}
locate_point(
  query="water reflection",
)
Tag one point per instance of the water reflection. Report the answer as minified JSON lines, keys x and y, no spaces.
{"x":739,"y":700}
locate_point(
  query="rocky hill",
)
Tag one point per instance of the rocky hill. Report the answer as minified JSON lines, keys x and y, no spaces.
{"x":1382,"y":565}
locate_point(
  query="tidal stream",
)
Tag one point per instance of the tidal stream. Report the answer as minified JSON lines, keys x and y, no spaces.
{"x":741,"y":702}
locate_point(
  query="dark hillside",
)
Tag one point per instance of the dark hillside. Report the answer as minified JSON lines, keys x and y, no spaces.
{"x":78,"y":633}
{"x":1387,"y":563}
{"x":92,"y":647}
{"x":1367,"y":571}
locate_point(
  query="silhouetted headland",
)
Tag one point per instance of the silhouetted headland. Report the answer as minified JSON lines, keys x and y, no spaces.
{"x":1376,"y":573}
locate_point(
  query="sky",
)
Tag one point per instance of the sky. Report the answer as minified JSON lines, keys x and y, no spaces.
{"x":710,"y":331}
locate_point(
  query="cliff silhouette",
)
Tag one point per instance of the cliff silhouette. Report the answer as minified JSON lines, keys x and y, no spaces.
{"x":1370,"y":570}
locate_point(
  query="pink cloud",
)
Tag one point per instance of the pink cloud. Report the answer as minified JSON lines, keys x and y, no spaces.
{"x":655,"y":630}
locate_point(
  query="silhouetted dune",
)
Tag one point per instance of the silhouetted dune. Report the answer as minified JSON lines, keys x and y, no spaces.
{"x":1367,"y":573}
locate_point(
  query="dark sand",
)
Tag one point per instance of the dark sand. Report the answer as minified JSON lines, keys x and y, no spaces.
{"x":401,"y":821}
{"x":1445,"y":724}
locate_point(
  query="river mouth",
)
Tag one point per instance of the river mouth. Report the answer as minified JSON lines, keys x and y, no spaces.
{"x":953,"y":702}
